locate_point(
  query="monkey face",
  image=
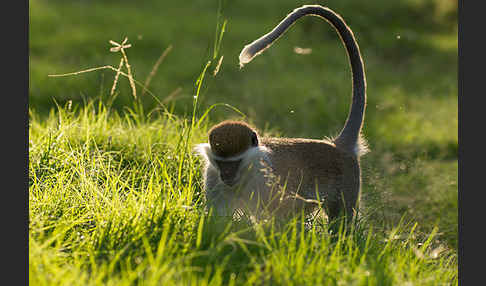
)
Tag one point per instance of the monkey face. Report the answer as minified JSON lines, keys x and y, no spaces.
{"x":228,"y":171}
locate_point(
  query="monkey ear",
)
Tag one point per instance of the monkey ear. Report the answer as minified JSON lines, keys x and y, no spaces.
{"x":254,"y":139}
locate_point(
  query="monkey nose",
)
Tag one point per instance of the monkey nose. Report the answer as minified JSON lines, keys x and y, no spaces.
{"x":228,"y":181}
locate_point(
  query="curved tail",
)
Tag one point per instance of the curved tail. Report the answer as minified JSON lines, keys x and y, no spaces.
{"x":350,"y":137}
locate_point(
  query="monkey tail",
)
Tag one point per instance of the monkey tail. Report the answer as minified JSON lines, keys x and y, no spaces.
{"x":350,"y":138}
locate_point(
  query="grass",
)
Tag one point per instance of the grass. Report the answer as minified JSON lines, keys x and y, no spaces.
{"x":107,"y":206}
{"x":115,"y":195}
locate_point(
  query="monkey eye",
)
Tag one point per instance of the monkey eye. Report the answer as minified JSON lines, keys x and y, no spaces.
{"x":254,"y":139}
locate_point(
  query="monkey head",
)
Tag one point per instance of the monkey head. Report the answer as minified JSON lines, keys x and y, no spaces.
{"x":229,"y":141}
{"x":231,"y":138}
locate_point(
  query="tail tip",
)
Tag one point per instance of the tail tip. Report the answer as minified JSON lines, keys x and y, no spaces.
{"x":245,"y":56}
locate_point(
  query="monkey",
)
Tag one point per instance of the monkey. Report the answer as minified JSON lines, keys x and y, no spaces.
{"x":287,"y":175}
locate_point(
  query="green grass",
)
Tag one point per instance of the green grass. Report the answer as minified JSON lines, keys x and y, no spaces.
{"x":115,"y":194}
{"x":108,"y":205}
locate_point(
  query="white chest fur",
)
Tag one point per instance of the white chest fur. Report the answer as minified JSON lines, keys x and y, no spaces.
{"x":253,"y":178}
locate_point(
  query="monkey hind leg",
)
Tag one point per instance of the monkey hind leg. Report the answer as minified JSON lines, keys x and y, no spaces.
{"x":341,"y":210}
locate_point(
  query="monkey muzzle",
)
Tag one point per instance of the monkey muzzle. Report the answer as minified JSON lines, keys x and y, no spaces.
{"x":228,"y":171}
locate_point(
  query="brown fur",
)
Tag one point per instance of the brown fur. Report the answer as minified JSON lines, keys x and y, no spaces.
{"x":230,"y":138}
{"x":284,"y":176}
{"x":315,"y":170}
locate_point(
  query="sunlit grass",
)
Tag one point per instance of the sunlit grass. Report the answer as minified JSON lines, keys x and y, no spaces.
{"x":107,"y":207}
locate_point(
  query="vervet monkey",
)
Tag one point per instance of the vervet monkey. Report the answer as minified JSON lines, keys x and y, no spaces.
{"x":287,"y":175}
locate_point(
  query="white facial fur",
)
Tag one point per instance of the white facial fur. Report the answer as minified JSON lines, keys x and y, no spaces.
{"x":233,"y":196}
{"x":247,"y":157}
